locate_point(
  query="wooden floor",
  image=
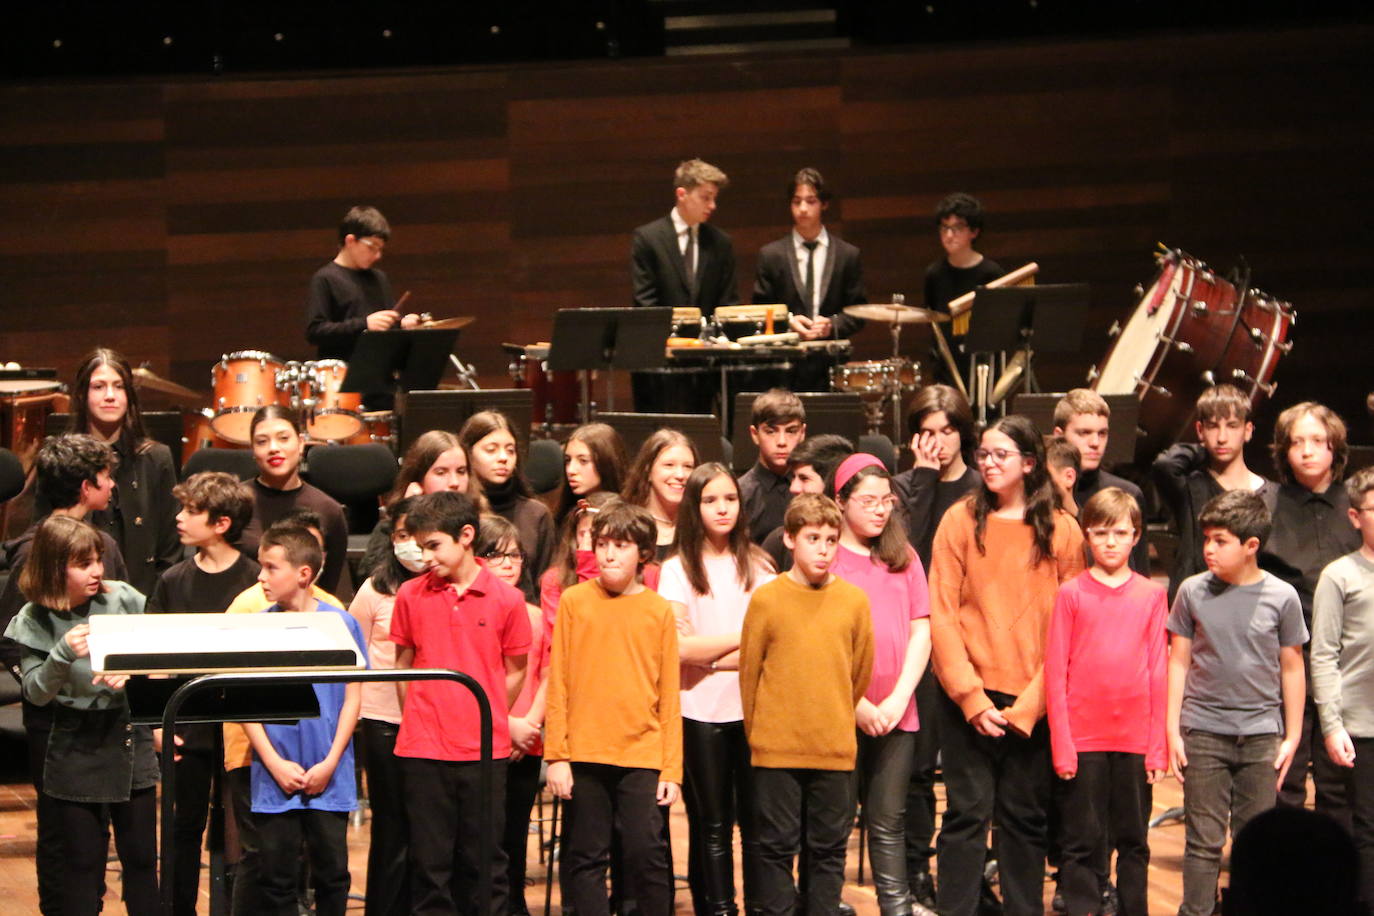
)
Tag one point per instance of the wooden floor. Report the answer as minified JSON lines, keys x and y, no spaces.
{"x":17,"y":831}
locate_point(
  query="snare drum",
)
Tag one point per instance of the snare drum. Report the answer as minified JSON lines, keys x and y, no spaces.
{"x":244,"y":381}
{"x":876,"y":378}
{"x":336,"y":415}
{"x":378,"y":426}
{"x":1187,"y":334}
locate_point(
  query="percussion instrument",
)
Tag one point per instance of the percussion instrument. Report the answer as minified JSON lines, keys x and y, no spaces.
{"x":430,"y":323}
{"x":895,"y":313}
{"x":686,"y":321}
{"x":331,"y":415}
{"x":378,"y":426}
{"x":244,"y":381}
{"x":876,"y":378}
{"x":149,"y":381}
{"x":556,"y":395}
{"x":197,"y":433}
{"x":1192,"y":329}
{"x":27,"y":398}
{"x":738,"y":321}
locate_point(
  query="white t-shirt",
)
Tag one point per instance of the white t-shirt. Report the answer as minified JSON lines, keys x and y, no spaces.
{"x":715,"y":698}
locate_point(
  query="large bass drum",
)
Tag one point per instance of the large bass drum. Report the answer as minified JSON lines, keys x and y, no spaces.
{"x":1192,"y":329}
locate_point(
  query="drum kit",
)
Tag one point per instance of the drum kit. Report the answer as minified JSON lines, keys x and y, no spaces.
{"x":882,"y":381}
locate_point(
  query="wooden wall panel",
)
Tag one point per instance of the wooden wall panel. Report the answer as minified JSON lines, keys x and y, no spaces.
{"x":181,"y":219}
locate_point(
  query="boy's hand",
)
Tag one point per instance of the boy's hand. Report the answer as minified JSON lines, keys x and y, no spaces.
{"x":926,"y":450}
{"x":1340,"y":748}
{"x":1284,"y":759}
{"x":1178,"y":760}
{"x":383,"y":320}
{"x":560,"y":779}
{"x":316,"y":779}
{"x":76,"y":639}
{"x":113,"y":681}
{"x":990,"y":722}
{"x":667,"y":793}
{"x":289,"y":775}
{"x":870,"y":719}
{"x":1154,"y":776}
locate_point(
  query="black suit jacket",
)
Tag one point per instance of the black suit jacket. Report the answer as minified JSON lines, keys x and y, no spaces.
{"x":841,"y":282}
{"x":660,"y":276}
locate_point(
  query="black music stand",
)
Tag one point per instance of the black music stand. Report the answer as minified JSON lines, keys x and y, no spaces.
{"x":701,"y":428}
{"x":611,"y":338}
{"x":1049,"y":318}
{"x":413,"y":358}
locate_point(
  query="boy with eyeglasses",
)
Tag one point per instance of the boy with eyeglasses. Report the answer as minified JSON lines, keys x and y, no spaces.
{"x":1343,"y":668}
{"x":958,"y":224}
{"x":1105,"y":696}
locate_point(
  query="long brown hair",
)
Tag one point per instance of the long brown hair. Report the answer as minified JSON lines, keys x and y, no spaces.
{"x":478,"y":427}
{"x":636,"y":491}
{"x":1039,"y":492}
{"x":132,"y":427}
{"x":57,"y":542}
{"x":689,"y":538}
{"x":420,"y":457}
{"x":608,"y":457}
{"x":891,"y":546}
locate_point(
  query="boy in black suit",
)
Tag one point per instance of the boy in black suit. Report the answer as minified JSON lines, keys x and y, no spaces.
{"x":679,"y":260}
{"x":814,"y":272}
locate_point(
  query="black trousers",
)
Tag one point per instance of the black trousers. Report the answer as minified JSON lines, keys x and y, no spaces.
{"x":388,"y":869}
{"x":86,"y":847}
{"x":1106,"y":805}
{"x":195,"y":770}
{"x":621,"y":799}
{"x":50,"y":857}
{"x":522,"y":786}
{"x":1362,"y":814}
{"x":782,"y":798}
{"x":325,"y":837}
{"x":883,"y":774}
{"x":718,"y":790}
{"x":1327,"y":778}
{"x":920,"y":796}
{"x":1005,"y":781}
{"x":247,"y":900}
{"x":442,"y":804}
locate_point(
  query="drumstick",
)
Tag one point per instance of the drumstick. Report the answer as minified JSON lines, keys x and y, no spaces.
{"x":401,"y":301}
{"x":1017,"y":277}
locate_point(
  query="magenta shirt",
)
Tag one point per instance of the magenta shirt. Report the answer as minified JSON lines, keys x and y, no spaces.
{"x":894,"y":600}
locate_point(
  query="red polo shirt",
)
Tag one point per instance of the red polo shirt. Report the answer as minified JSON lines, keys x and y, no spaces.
{"x":473,"y":633}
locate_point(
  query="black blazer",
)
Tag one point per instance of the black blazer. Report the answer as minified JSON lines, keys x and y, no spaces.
{"x":842,"y":282}
{"x":660,"y":275}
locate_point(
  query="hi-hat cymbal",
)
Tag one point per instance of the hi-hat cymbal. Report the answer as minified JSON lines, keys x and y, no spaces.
{"x":148,"y":380}
{"x":895,"y":313}
{"x":461,"y":321}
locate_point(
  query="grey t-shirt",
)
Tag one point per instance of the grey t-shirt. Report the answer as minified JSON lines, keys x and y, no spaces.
{"x":1343,"y":646}
{"x":1233,"y":685}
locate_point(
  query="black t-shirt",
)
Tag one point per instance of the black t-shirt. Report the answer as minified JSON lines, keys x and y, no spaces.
{"x":927,"y":498}
{"x":945,"y":281}
{"x":337,"y":307}
{"x":188,"y":589}
{"x":269,"y":505}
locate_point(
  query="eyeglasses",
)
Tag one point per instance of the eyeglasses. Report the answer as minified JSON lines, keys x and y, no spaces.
{"x":496,"y":557}
{"x":996,"y":455}
{"x":375,"y":246}
{"x":1102,"y":534}
{"x":954,"y":228}
{"x":874,"y":503}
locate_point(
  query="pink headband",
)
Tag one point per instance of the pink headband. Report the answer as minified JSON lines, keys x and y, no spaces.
{"x":853,"y":465}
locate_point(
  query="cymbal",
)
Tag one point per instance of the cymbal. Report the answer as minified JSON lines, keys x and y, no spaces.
{"x":895,"y":313}
{"x":148,"y":380}
{"x":448,"y":323}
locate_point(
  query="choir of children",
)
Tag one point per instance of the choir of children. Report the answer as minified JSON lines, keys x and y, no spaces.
{"x":777,"y":687}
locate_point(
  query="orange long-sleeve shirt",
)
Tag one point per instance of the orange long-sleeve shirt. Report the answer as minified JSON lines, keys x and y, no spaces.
{"x":613,"y":682}
{"x":805,"y":656}
{"x":990,"y":612}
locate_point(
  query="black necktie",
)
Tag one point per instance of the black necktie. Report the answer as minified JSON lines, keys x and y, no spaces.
{"x":810,"y":291}
{"x":690,"y":263}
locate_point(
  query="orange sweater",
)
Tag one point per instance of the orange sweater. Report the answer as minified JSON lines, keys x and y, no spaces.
{"x":805,"y":655}
{"x":613,"y":682}
{"x":990,"y":612}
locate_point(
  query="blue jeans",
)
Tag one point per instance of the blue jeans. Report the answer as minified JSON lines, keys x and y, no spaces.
{"x":1227,"y":777}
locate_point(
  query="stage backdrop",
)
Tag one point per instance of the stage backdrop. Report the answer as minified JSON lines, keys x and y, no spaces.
{"x":181,"y":219}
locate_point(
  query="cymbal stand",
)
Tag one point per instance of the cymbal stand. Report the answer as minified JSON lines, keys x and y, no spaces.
{"x":894,"y":382}
{"x":467,"y":372}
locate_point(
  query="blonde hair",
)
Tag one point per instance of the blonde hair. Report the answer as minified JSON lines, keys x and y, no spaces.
{"x":58,"y":541}
{"x":1080,"y":401}
{"x":692,"y":172}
